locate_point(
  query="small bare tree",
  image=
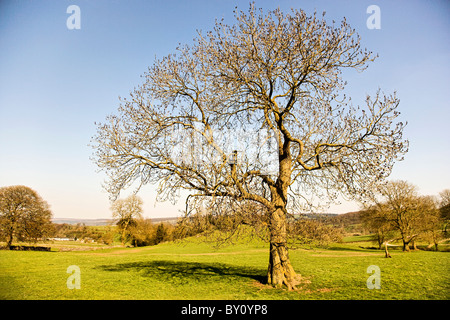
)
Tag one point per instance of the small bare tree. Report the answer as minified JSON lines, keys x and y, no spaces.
{"x":375,"y":219}
{"x":126,"y":212}
{"x":254,"y":113}
{"x":433,"y":222}
{"x":444,"y":208}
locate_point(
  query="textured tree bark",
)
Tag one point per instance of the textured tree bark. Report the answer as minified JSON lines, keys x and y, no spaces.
{"x":386,"y":252}
{"x":280,"y":271}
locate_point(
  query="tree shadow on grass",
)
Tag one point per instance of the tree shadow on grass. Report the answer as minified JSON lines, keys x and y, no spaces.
{"x":182,"y":271}
{"x":353,"y":249}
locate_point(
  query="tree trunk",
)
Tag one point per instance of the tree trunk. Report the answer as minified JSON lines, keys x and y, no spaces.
{"x":123,"y":233}
{"x":386,"y":252}
{"x":9,"y":243}
{"x":11,"y":237}
{"x":406,"y":245}
{"x":380,"y":239}
{"x":406,"y":242}
{"x":280,"y":271}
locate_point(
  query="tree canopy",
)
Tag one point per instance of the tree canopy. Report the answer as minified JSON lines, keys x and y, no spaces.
{"x":24,"y":215}
{"x":255,"y":112}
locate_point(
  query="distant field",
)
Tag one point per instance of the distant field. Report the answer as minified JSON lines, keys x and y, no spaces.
{"x":195,"y":270}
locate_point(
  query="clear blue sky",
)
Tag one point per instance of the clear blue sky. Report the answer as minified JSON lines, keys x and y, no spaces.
{"x":55,"y":83}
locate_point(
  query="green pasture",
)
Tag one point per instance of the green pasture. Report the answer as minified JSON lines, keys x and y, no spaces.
{"x":192,"y":269}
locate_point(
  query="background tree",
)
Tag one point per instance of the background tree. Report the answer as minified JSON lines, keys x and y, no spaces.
{"x":160,"y":234}
{"x":312,"y":231}
{"x":445,"y":198}
{"x":399,"y":207}
{"x":444,"y":208}
{"x":222,"y":222}
{"x":24,"y":215}
{"x":429,"y":222}
{"x":142,"y":232}
{"x":254,"y":113}
{"x":107,"y":236}
{"x":126,"y":211}
{"x":431,"y":226}
{"x":375,"y":219}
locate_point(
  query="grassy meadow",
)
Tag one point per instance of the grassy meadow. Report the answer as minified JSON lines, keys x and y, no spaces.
{"x":193,"y":269}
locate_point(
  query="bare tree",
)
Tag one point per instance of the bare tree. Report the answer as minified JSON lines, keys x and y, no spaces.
{"x":375,"y":219}
{"x":254,"y":113}
{"x":127,"y":211}
{"x":444,"y":208}
{"x":401,"y":208}
{"x":445,"y":197}
{"x":400,"y":213}
{"x":24,"y":215}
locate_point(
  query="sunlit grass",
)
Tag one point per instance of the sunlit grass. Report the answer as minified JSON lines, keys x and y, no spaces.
{"x":195,"y":270}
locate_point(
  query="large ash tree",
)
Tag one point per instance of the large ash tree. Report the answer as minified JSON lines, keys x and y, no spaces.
{"x":253,"y":115}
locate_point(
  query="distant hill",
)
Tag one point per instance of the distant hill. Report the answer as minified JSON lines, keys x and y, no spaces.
{"x":348,"y":218}
{"x":351,"y":217}
{"x":316,"y":216}
{"x":105,"y":222}
{"x":87,"y":222}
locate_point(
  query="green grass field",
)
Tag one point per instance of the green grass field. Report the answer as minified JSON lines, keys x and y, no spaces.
{"x":195,"y":270}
